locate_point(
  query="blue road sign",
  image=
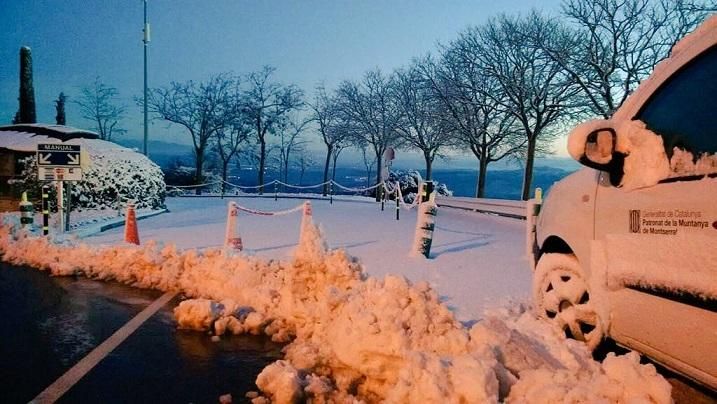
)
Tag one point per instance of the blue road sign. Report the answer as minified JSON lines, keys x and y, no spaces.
{"x":58,"y":155}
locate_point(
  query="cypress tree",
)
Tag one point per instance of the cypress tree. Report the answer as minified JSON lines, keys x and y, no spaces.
{"x":60,"y":107}
{"x":26,"y":114}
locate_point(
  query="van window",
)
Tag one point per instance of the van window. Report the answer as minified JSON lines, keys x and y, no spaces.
{"x":684,"y":109}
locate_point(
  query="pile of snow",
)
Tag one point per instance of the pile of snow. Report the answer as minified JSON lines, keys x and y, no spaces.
{"x":351,"y":337}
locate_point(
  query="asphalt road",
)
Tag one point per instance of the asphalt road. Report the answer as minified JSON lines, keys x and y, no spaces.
{"x":50,"y":323}
{"x":47,"y":324}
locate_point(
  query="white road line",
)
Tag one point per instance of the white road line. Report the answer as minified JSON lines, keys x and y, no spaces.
{"x":72,"y":376}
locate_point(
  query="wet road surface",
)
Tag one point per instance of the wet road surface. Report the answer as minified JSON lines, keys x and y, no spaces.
{"x":47,"y":324}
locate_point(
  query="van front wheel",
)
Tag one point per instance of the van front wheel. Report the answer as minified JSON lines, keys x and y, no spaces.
{"x":561,"y":296}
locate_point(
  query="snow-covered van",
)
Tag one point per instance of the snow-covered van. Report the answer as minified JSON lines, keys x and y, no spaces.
{"x":627,"y":248}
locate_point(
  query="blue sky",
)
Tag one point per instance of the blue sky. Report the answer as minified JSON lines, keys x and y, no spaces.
{"x":307,"y":41}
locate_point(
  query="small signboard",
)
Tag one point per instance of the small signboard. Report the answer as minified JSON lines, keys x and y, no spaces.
{"x":59,"y":173}
{"x":59,"y":162}
{"x":55,"y":154}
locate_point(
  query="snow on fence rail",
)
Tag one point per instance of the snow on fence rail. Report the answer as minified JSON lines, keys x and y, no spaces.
{"x":502,"y":207}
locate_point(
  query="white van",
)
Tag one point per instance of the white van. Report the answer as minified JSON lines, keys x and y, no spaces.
{"x":627,"y":248}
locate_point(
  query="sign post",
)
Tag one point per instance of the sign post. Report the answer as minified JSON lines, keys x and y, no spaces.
{"x":60,"y":162}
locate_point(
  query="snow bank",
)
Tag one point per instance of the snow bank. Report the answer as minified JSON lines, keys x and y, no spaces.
{"x":350,"y":338}
{"x":619,"y":379}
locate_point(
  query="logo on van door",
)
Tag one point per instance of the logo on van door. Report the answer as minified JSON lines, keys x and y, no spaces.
{"x":634,"y":221}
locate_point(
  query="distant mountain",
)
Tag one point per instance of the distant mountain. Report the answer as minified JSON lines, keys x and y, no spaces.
{"x":162,"y":153}
{"x":504,"y":180}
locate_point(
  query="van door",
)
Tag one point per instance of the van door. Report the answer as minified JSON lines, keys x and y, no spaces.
{"x":661,"y":241}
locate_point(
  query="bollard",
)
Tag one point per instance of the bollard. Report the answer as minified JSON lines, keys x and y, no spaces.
{"x":425,"y":224}
{"x":398,"y":199}
{"x":382,"y":194}
{"x":426,"y":190}
{"x":232,"y":238}
{"x":331,"y":192}
{"x":531,"y":216}
{"x":131,"y":235}
{"x":45,"y":210}
{"x":276,"y":191}
{"x":26,"y":212}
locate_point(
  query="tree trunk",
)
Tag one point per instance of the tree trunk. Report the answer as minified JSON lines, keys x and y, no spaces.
{"x":198,"y":178}
{"x":528,"y":175}
{"x":482,"y":170}
{"x":329,"y":149}
{"x":262,"y":158}
{"x":379,"y":167}
{"x":429,"y":166}
{"x":333,"y":170}
{"x":225,"y":168}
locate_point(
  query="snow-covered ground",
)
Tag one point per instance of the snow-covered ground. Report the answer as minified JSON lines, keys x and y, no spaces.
{"x":477,"y":261}
{"x":350,"y":337}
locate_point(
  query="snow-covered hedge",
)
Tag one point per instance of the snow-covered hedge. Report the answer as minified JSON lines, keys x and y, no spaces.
{"x":115,"y":174}
{"x":180,"y":175}
{"x":409,"y":181}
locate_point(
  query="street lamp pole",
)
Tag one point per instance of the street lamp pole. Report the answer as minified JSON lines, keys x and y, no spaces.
{"x":146,"y":44}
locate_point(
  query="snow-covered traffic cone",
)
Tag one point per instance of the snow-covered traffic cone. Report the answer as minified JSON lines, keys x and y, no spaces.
{"x":232,"y":239}
{"x":425,"y":223}
{"x":131,"y":235}
{"x":306,"y":220}
{"x":307,"y":216}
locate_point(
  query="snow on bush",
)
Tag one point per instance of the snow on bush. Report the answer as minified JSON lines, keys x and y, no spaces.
{"x":352,"y":338}
{"x":409,"y":181}
{"x":115,"y":173}
{"x":180,"y":175}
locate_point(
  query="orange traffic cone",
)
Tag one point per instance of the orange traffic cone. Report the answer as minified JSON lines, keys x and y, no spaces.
{"x":130,"y":226}
{"x":232,"y":238}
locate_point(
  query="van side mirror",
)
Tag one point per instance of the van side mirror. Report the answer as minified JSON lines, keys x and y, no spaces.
{"x":600,"y":154}
{"x":600,"y":146}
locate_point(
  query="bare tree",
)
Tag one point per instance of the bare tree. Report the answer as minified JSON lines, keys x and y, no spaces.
{"x":304,"y":162}
{"x":60,"y":109}
{"x":368,"y":161}
{"x":231,"y":136}
{"x":98,"y":103}
{"x":228,"y":142}
{"x":421,"y":124}
{"x":265,"y":104}
{"x":338,"y":148}
{"x":468,"y":95}
{"x":289,"y":131}
{"x":534,"y":88}
{"x":370,"y":107}
{"x":326,"y":114}
{"x":201,"y":108}
{"x":616,"y":44}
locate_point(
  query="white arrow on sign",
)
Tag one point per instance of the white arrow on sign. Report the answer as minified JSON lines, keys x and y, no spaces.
{"x":73,"y":159}
{"x":45,"y":158}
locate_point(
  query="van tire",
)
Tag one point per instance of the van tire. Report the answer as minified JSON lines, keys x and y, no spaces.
{"x":562,"y":297}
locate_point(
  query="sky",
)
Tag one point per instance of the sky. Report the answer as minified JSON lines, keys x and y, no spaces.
{"x":309,"y":42}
